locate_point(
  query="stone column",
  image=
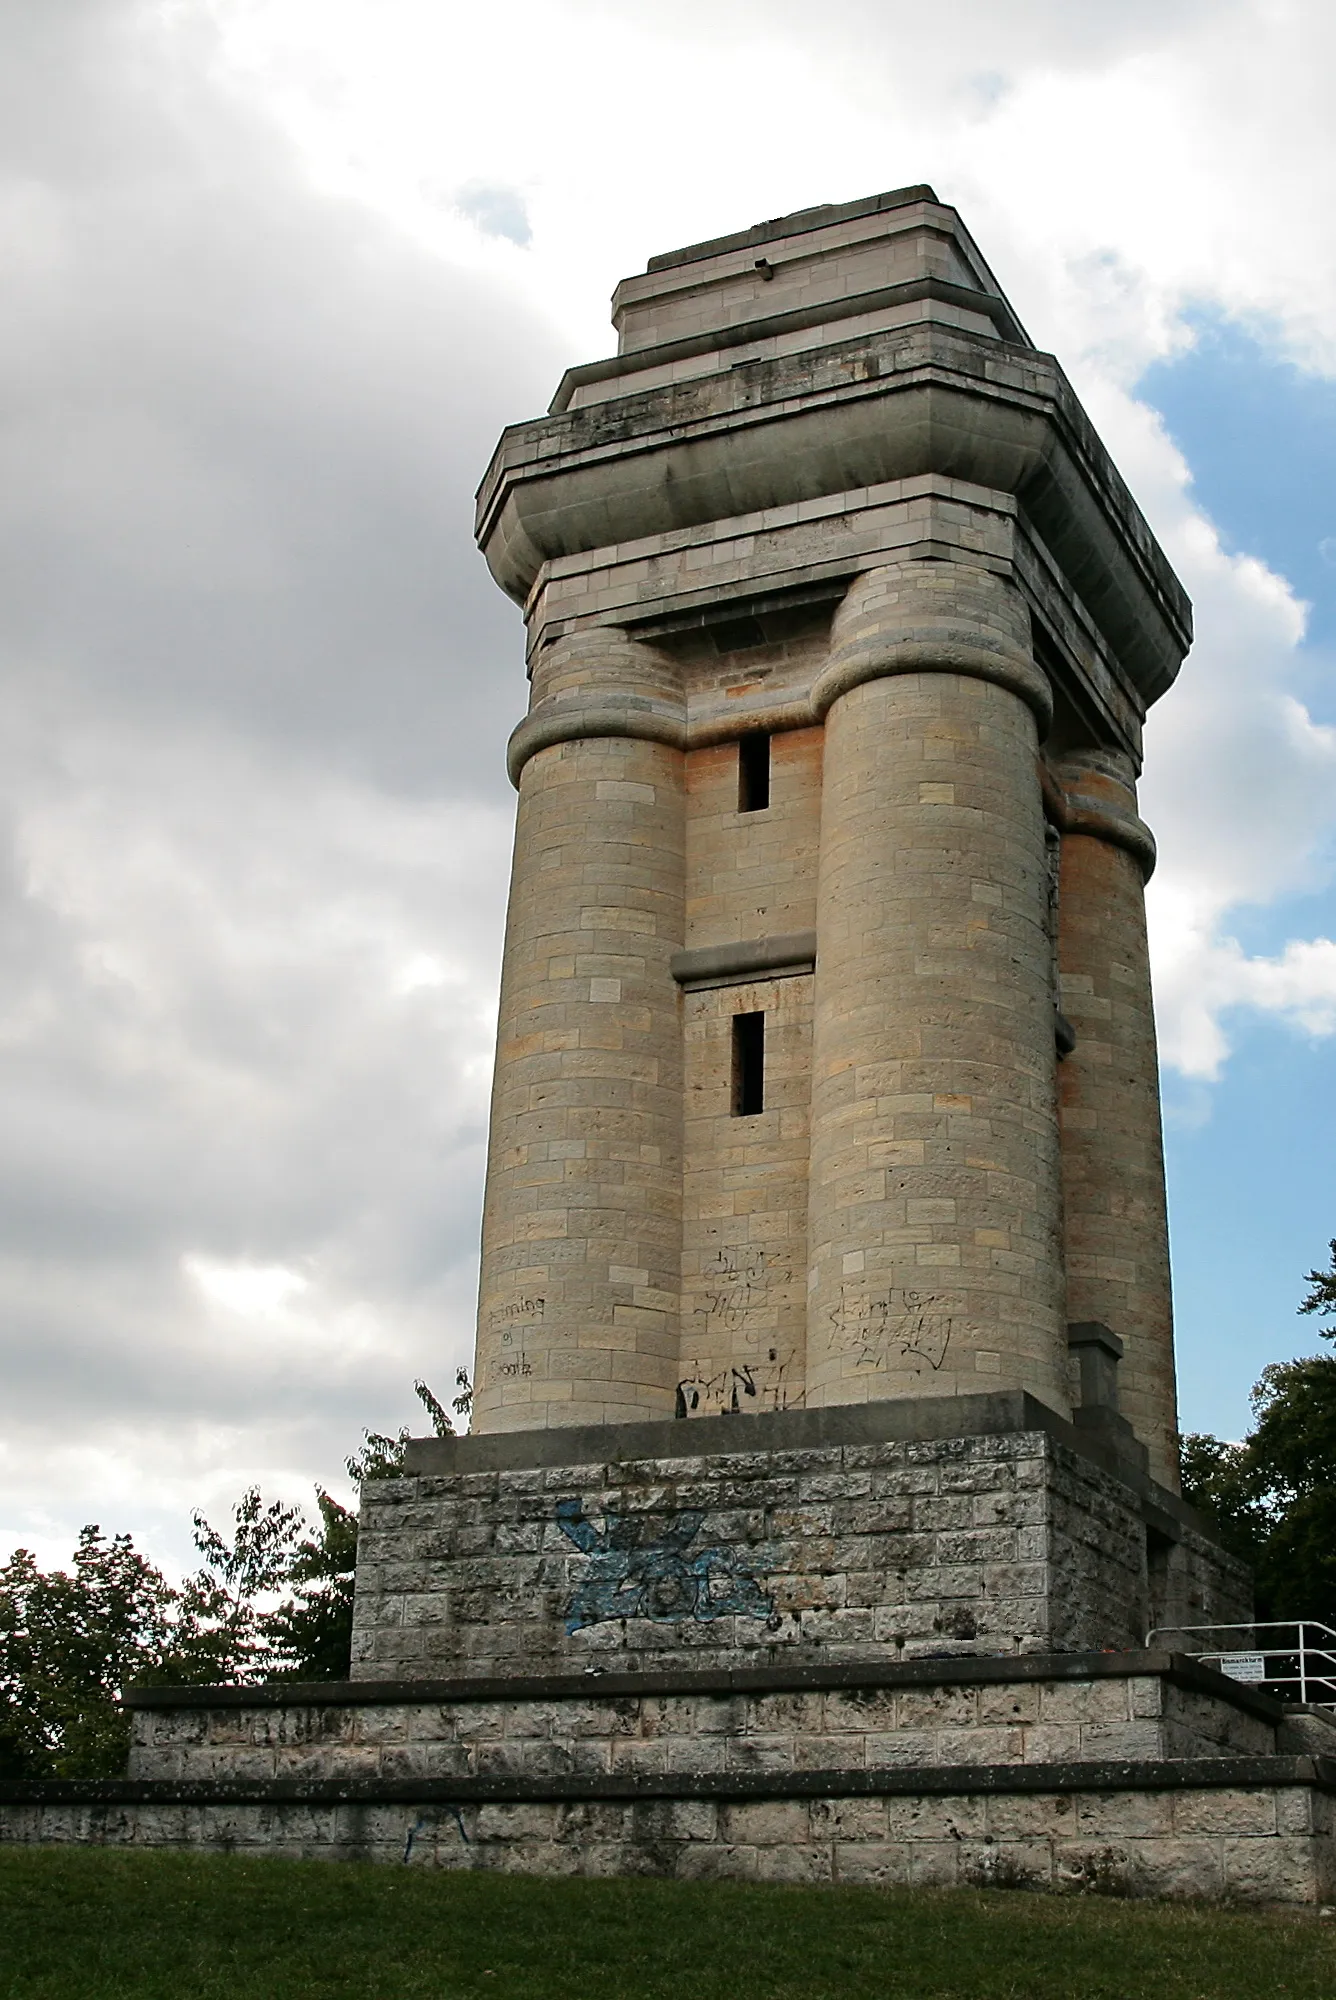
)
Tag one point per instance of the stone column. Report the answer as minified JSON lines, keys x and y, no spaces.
{"x":582,"y":1224}
{"x":934,"y":1246}
{"x":1117,"y":1237}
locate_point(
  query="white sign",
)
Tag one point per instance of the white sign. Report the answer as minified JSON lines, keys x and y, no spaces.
{"x":1244,"y":1666}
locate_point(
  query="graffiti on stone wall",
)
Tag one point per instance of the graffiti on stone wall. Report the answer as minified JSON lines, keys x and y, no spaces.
{"x":643,"y":1566}
{"x":879,"y":1329}
{"x":511,"y":1320}
{"x":737,"y":1278}
{"x":754,"y":1385}
{"x":741,"y":1288}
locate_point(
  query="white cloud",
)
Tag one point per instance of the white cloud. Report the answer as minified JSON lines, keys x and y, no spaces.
{"x":250,"y":1291}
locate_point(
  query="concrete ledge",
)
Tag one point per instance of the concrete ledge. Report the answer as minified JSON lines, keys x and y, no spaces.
{"x":961,"y":1671}
{"x":916,"y":1418}
{"x":893,"y":1780}
{"x":780,"y":227}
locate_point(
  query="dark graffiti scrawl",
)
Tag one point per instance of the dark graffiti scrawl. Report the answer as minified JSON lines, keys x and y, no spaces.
{"x":641,"y":1566}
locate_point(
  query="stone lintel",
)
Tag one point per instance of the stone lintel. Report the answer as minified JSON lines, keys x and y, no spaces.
{"x":724,"y":964}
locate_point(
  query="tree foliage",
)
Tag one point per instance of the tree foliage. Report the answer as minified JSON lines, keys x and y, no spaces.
{"x":312,"y":1630}
{"x":1272,"y":1497}
{"x":1321,"y":1295}
{"x":272,"y":1599}
{"x":69,"y":1641}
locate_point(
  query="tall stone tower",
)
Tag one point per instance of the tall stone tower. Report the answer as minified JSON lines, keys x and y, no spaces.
{"x":826,"y":1071}
{"x":819,"y":1521}
{"x":825,"y":1303}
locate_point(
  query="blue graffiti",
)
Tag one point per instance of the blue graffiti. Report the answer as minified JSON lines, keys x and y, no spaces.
{"x":640,"y":1566}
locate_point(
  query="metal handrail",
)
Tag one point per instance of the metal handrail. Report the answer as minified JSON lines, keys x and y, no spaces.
{"x":1315,"y":1661}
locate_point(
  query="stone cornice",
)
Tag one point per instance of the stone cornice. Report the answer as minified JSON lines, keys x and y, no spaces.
{"x":918,"y":400}
{"x":720,"y":340}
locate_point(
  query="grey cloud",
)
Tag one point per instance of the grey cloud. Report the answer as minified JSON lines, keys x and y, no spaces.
{"x":867,"y":35}
{"x":243,"y":427}
{"x":254,"y":684}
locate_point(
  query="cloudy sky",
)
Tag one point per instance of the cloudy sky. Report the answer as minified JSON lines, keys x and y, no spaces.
{"x":273,"y":274}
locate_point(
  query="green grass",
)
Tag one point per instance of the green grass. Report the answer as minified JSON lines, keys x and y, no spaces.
{"x":105,"y":1924}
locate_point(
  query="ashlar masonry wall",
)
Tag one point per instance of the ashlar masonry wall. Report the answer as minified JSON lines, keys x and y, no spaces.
{"x":751,"y":872}
{"x":767,"y":1548}
{"x":1133,"y":1774}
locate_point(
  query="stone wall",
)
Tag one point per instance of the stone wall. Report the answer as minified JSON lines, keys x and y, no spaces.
{"x":1076,"y":1711}
{"x":771,"y":1545}
{"x":1260,"y":1833}
{"x":1140,"y":1774}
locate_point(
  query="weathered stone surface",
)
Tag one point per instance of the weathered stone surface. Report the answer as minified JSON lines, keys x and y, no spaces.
{"x":1008,"y":1543}
{"x":1135,"y":1842}
{"x":933,"y":1771}
{"x":950,"y":1713}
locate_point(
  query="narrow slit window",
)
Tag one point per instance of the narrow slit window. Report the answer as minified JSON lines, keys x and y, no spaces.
{"x":748,"y":1065}
{"x":753,"y":772}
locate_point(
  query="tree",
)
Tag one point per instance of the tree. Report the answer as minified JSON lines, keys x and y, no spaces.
{"x":382,"y":1457}
{"x":273,"y":1599}
{"x":1272,"y":1497}
{"x":221,"y":1614}
{"x":1322,"y":1293}
{"x":69,"y":1641}
{"x":312,"y":1631}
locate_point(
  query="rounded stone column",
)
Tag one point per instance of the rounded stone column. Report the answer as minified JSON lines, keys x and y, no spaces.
{"x":1116,"y":1228}
{"x":582,"y":1223}
{"x":935,"y":1226}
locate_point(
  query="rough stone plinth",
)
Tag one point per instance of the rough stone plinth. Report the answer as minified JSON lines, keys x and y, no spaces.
{"x":1081,"y":1708}
{"x":1135,"y":1775}
{"x":1261,"y":1835}
{"x":849,"y":1534}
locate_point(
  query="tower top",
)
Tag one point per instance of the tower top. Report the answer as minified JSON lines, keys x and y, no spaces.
{"x":819,"y":267}
{"x":820,"y":361}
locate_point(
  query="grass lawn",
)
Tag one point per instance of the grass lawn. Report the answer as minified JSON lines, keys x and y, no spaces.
{"x":96,"y":1923}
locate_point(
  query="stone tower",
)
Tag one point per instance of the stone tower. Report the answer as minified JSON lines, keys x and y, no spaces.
{"x":819,"y":1520}
{"x":825,"y":1307}
{"x":826,"y":1071}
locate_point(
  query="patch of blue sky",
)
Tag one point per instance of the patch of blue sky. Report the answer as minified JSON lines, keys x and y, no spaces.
{"x":1251,"y":1207}
{"x":1251,"y":1188}
{"x":1264,"y":929}
{"x":1260,"y":437}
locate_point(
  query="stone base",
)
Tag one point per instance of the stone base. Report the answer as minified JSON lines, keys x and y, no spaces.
{"x":886,"y":1643}
{"x":925,"y":1715}
{"x":881,"y":1531}
{"x":1140,"y":1774}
